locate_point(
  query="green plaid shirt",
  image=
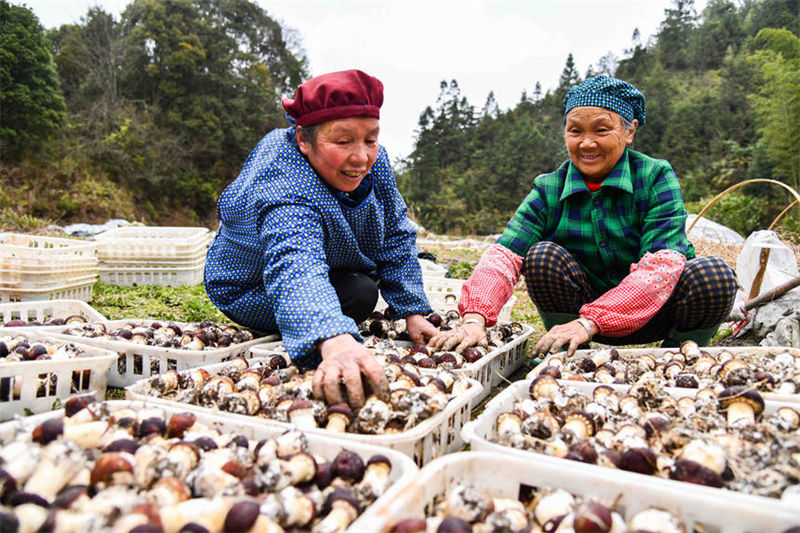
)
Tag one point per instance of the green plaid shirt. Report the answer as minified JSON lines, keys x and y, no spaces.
{"x":638,"y":209}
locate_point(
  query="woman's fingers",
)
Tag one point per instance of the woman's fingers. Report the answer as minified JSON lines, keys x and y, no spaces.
{"x":352,"y":382}
{"x":332,"y":388}
{"x":317,"y":382}
{"x":376,"y":377}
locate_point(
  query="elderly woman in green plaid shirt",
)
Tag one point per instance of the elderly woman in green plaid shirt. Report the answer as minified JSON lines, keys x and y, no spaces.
{"x":601,"y":242}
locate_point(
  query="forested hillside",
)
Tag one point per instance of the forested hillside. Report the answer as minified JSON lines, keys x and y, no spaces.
{"x":148,"y":116}
{"x":145,"y":117}
{"x":723,"y":105}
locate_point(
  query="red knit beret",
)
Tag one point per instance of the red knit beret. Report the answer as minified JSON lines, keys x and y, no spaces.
{"x":349,"y":93}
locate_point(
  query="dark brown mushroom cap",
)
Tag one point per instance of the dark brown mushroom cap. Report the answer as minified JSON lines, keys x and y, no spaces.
{"x":693,"y":472}
{"x":413,"y":377}
{"x":241,"y":516}
{"x":582,"y":452}
{"x":122,"y":445}
{"x":77,"y":403}
{"x":640,"y":460}
{"x":426,"y":362}
{"x":587,"y":364}
{"x":21,"y":497}
{"x":453,"y":524}
{"x":379,"y":459}
{"x":179,"y":423}
{"x":435,"y":319}
{"x":49,"y":430}
{"x":438,"y":383}
{"x":300,"y":404}
{"x":8,"y":485}
{"x":410,"y":525}
{"x":741,"y":393}
{"x":342,"y":409}
{"x":551,"y":370}
{"x":152,"y":425}
{"x":342,"y":494}
{"x":348,"y":465}
{"x":474,"y":353}
{"x":193,"y":527}
{"x":592,"y":517}
{"x":205,"y":443}
{"x":68,"y":495}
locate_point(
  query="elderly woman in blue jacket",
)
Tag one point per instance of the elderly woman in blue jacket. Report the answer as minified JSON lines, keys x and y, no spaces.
{"x":312,"y":228}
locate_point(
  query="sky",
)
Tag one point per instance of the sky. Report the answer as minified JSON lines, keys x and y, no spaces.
{"x":412,"y":45}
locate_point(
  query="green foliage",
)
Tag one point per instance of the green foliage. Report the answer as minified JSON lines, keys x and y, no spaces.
{"x":723,"y":104}
{"x":777,"y":102}
{"x":30,"y":94}
{"x":181,"y":304}
{"x":740,"y":212}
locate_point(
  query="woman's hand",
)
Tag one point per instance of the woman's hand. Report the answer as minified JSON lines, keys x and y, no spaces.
{"x":344,"y":360}
{"x":462,"y":337}
{"x":572,"y":333}
{"x":419,"y":329}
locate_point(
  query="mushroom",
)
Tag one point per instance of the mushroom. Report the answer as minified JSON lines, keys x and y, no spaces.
{"x":376,"y":477}
{"x":742,"y":405}
{"x":348,"y":465}
{"x":579,"y":425}
{"x":339,"y":417}
{"x":655,"y":520}
{"x":467,"y":503}
{"x":553,"y":504}
{"x":301,"y":414}
{"x":344,"y":509}
{"x":543,"y":387}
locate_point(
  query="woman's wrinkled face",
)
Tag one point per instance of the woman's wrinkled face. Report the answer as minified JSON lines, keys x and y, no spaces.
{"x":344,"y":151}
{"x":596,"y":139}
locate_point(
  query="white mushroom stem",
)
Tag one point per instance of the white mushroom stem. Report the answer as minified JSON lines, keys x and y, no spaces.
{"x":740,"y":412}
{"x":341,"y":516}
{"x":302,"y":468}
{"x":60,"y":462}
{"x":87,"y":435}
{"x":336,"y":422}
{"x":209,"y":513}
{"x":376,"y":478}
{"x":303,"y":418}
{"x":298,"y":508}
{"x":556,"y":503}
{"x":31,"y":517}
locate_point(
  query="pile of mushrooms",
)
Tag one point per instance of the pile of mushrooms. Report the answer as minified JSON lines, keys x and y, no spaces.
{"x":716,"y":439}
{"x":18,"y":348}
{"x":199,"y":336}
{"x":381,"y":334}
{"x":15,"y":348}
{"x":126,"y":470}
{"x":689,"y":367}
{"x":466,"y":508}
{"x":48,"y":321}
{"x":280,"y":391}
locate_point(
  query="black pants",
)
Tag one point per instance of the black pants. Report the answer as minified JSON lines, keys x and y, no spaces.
{"x":357,"y":292}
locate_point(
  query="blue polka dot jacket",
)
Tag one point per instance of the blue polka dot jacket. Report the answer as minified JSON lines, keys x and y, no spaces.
{"x":282,"y":229}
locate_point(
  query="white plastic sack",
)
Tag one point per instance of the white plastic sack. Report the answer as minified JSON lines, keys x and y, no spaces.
{"x":712,"y":231}
{"x":781,"y":266}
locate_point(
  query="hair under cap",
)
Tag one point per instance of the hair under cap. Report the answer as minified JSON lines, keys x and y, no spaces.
{"x":609,"y":93}
{"x":349,"y":93}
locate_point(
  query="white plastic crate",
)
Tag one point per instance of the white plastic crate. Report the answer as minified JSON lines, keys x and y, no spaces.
{"x":434,"y":436}
{"x":80,"y":290}
{"x":19,"y":381}
{"x":431,"y":269}
{"x":504,"y":476}
{"x":153,"y":275}
{"x":22,"y":251}
{"x":151,"y":242}
{"x":402,"y":472}
{"x":659,"y":352}
{"x":139,"y":361}
{"x":478,"y":432}
{"x":41,"y":311}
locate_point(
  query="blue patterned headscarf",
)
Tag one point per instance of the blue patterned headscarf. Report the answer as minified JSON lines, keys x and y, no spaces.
{"x":609,"y":93}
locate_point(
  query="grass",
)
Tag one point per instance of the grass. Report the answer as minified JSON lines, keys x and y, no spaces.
{"x":181,"y":304}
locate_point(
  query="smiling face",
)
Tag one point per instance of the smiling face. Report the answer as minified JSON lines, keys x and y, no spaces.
{"x":343,"y":151}
{"x":596,"y":139}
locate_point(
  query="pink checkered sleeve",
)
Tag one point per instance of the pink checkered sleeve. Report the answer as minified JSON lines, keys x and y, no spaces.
{"x":631,"y":304}
{"x":491,"y":283}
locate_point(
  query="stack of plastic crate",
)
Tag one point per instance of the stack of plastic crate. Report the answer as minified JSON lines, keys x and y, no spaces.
{"x":150,"y":255}
{"x":33,"y":267}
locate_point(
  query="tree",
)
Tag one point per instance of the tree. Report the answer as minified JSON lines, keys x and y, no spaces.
{"x":777,"y":102}
{"x":675,"y":33}
{"x":31,"y":101}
